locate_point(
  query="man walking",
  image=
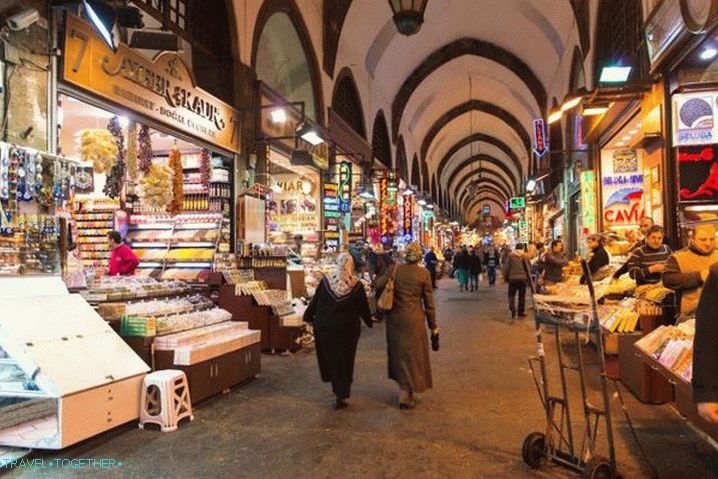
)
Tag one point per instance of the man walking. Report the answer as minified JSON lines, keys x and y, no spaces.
{"x":515,"y":271}
{"x":475,"y":269}
{"x":491,"y":261}
{"x":430,"y":260}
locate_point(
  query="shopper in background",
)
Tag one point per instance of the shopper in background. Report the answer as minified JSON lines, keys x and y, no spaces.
{"x":705,"y":350}
{"x":123,"y":261}
{"x":597,"y":257}
{"x":407,"y":342}
{"x":648,"y":262}
{"x":335,"y":312}
{"x":449,"y":262}
{"x":462,"y":265}
{"x":430,"y":260}
{"x":687,"y":269}
{"x":491,"y":261}
{"x":553,"y":262}
{"x":475,"y":269}
{"x":357,"y":252}
{"x":516,"y":271}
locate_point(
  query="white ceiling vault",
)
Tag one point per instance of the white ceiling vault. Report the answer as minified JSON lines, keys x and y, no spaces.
{"x":530,"y":47}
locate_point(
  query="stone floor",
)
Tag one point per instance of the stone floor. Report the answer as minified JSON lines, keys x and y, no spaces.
{"x":471,"y":425}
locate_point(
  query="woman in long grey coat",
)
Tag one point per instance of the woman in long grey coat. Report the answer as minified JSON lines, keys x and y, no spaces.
{"x":407,"y":341}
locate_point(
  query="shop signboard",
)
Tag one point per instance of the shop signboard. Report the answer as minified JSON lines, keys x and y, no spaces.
{"x":486,"y":210}
{"x":694,"y":119}
{"x":622,"y":187}
{"x":345,"y":187}
{"x":295,"y":208}
{"x":331,"y":215}
{"x":588,"y":201}
{"x":517,"y":203}
{"x":540,"y":146}
{"x":408,"y":216}
{"x":162,"y":89}
{"x":698,"y":173}
{"x":384,"y":206}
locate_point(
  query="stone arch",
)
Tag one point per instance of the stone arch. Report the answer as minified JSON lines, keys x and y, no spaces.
{"x":464,"y":199}
{"x":433,"y":188}
{"x":453,"y":50}
{"x":401,"y":162}
{"x":582,"y":15}
{"x":380,"y":144}
{"x":424,"y":176}
{"x":346,"y":102}
{"x":555,"y":159}
{"x":488,"y":159}
{"x":484,"y":199}
{"x":478,"y":105}
{"x":487,"y":176}
{"x":486,"y":139}
{"x":484,"y":181}
{"x":334,"y":12}
{"x":283,"y":49}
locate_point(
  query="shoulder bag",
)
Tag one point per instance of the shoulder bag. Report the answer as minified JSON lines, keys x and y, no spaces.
{"x":386,"y":300}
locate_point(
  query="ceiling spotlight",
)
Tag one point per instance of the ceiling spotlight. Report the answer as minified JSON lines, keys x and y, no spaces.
{"x":554,"y":116}
{"x":614,"y":74}
{"x":570,"y":103}
{"x":103,"y":18}
{"x":309,"y":134}
{"x":278,"y":115}
{"x":594,"y":110}
{"x":708,"y":53}
{"x":124,"y":121}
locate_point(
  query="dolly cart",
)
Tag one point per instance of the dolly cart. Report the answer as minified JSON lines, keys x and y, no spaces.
{"x":558,"y":443}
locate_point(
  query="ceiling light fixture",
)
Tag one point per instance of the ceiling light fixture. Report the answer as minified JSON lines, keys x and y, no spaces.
{"x":309,"y":134}
{"x":278,"y":115}
{"x":614,"y":74}
{"x":570,"y":103}
{"x":408,"y":15}
{"x":594,"y":110}
{"x":554,"y":116}
{"x":708,"y":53}
{"x":103,"y":18}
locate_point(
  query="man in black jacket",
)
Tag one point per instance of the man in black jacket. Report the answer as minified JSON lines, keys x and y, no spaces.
{"x":705,"y":350}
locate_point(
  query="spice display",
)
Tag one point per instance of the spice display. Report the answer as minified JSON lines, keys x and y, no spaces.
{"x":205,"y":168}
{"x":98,"y":146}
{"x":144,"y":151}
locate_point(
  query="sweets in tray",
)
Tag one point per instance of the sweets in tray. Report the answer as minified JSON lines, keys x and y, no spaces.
{"x":118,"y":288}
{"x":672,"y":347}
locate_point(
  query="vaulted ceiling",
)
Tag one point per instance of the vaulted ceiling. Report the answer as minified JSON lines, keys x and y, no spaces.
{"x":463,"y":92}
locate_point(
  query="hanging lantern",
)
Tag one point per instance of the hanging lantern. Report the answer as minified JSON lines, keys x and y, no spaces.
{"x":408,"y":15}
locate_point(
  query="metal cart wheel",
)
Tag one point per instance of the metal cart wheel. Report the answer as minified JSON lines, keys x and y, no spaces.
{"x":533,"y":451}
{"x":599,"y":468}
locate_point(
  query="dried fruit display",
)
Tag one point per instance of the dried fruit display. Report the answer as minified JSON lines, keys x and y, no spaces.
{"x":98,"y":146}
{"x":175,"y":164}
{"x":205,"y":169}
{"x":157,"y":186}
{"x":116,"y":176}
{"x":132,"y":151}
{"x":144,"y":151}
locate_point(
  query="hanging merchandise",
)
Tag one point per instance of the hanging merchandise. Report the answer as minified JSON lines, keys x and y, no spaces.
{"x":175,"y":164}
{"x":205,"y":169}
{"x":113,"y":185}
{"x":132,"y":162}
{"x":144,"y":151}
{"x":4,"y":171}
{"x":157,"y":186}
{"x":98,"y":146}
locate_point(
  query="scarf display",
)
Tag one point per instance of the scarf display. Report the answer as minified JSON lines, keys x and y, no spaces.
{"x":342,"y":281}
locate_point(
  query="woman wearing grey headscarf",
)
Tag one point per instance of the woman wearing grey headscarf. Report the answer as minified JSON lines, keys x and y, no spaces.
{"x":335,"y":311}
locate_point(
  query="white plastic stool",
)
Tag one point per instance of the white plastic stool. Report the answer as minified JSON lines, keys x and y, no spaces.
{"x":165,"y":399}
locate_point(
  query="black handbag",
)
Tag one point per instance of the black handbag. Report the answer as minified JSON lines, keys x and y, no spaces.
{"x":435,"y":342}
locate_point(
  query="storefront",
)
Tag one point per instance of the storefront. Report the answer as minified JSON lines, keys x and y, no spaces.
{"x":294,"y":168}
{"x":157,"y":156}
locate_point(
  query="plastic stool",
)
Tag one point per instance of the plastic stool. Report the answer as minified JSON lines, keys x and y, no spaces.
{"x":165,"y":399}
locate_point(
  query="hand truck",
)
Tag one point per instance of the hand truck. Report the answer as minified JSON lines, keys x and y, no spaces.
{"x":558,"y":443}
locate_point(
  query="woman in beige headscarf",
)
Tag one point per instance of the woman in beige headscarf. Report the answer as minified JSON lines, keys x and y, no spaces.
{"x":407,"y":342}
{"x":335,"y":311}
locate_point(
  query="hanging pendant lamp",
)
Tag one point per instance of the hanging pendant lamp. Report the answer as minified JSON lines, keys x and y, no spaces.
{"x":408,"y":15}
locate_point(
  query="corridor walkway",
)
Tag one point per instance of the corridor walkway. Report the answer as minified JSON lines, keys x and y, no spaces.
{"x":470,"y":426}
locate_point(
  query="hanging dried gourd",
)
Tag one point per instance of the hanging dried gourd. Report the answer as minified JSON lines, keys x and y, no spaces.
{"x":99,"y":147}
{"x":205,"y":168}
{"x":144,"y":150}
{"x":132,"y":151}
{"x":175,"y":164}
{"x":116,"y":176}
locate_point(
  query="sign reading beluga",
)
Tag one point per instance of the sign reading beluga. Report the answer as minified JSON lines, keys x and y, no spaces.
{"x":162,"y":89}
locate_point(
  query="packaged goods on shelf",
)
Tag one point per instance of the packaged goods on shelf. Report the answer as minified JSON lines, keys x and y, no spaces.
{"x":249,"y":287}
{"x":270,"y":297}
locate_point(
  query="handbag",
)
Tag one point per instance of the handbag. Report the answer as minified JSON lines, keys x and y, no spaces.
{"x":386,"y":300}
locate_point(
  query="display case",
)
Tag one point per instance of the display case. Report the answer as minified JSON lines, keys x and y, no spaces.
{"x":31,"y":246}
{"x":93,"y":219}
{"x":65,"y":375}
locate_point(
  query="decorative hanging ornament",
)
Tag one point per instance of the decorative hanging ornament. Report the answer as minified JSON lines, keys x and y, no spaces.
{"x":175,"y":164}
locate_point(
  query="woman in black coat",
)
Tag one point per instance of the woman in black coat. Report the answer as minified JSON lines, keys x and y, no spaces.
{"x":335,"y":311}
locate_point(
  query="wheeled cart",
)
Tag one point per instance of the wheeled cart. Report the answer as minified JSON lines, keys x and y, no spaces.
{"x":558,"y":443}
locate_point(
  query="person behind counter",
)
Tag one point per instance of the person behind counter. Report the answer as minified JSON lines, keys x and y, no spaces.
{"x":598,"y":257}
{"x":553,"y":263}
{"x":123,"y":262}
{"x":687,"y":269}
{"x":648,"y":262}
{"x":646,"y":224}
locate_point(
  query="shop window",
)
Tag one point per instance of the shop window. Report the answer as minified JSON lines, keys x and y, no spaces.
{"x":281,"y":62}
{"x":380,"y":145}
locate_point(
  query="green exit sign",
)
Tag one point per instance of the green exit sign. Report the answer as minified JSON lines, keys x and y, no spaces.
{"x":517,"y":203}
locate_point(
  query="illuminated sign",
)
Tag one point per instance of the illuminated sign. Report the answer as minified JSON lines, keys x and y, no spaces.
{"x":622,"y":187}
{"x":588,"y":201}
{"x":383,"y":206}
{"x":331,"y":214}
{"x":694,"y":119}
{"x":540,"y":143}
{"x":408,"y":216}
{"x":697,"y":173}
{"x":486,"y":210}
{"x":345,"y":187}
{"x":517,"y":203}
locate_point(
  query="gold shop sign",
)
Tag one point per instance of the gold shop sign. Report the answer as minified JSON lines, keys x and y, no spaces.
{"x":162,"y":89}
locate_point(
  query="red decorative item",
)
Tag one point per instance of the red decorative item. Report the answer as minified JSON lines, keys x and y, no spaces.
{"x":205,"y":168}
{"x":175,"y":164}
{"x":144,"y":150}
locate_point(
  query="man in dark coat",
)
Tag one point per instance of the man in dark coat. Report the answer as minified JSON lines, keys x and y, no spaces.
{"x":475,"y":269}
{"x":516,"y":273}
{"x":430,"y":260}
{"x":705,"y":350}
